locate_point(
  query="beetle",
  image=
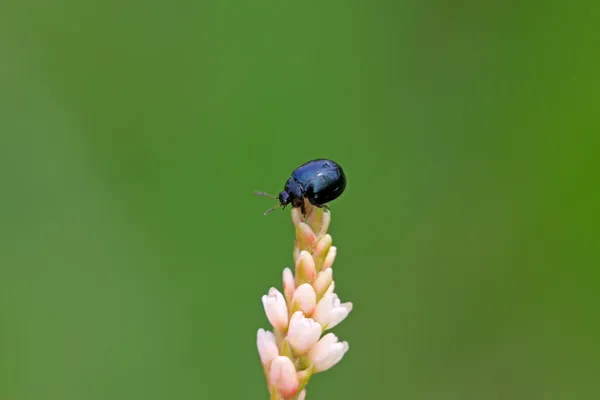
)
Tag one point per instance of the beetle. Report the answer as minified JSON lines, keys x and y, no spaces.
{"x":318,"y":181}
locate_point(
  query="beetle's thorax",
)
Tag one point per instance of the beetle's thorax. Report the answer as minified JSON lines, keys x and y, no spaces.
{"x":295,"y":193}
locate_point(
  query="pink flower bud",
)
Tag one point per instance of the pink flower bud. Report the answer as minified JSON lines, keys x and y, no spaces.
{"x":276,"y":309}
{"x":305,"y":235}
{"x":283,"y":376}
{"x":302,"y":395}
{"x":267,"y":347}
{"x":327,"y":352}
{"x":330,"y":257}
{"x":305,"y":268}
{"x":305,"y":299}
{"x":303,"y":333}
{"x":323,"y":281}
{"x":289,"y":284}
{"x":330,"y":312}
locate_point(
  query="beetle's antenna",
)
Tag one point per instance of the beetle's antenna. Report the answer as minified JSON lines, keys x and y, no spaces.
{"x":271,"y":209}
{"x":263,"y":194}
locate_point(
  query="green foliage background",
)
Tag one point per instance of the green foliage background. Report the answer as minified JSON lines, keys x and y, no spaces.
{"x":133,"y":256}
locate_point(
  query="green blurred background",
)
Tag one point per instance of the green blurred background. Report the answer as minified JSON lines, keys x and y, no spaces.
{"x":133,"y":255}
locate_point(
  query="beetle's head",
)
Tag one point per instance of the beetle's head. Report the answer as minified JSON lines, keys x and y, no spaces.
{"x":284,"y":198}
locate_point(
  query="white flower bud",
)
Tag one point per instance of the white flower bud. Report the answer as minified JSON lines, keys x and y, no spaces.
{"x":327,"y":352}
{"x":267,"y":347}
{"x":276,"y":309}
{"x":305,"y":299}
{"x":330,"y":311}
{"x":303,"y":333}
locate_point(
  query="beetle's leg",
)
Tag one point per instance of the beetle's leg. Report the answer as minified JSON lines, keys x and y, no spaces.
{"x":303,"y":209}
{"x":325,"y":206}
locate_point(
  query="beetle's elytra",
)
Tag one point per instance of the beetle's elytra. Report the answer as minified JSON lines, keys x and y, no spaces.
{"x":318,"y":181}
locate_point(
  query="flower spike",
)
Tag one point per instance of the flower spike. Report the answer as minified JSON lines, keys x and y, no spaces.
{"x":308,"y":306}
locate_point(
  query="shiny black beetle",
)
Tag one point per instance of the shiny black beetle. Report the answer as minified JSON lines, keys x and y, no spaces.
{"x":318,"y":181}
